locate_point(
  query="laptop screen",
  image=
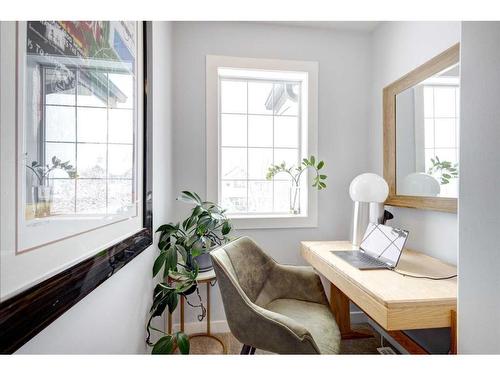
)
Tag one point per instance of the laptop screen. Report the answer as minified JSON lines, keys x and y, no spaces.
{"x":384,"y":243}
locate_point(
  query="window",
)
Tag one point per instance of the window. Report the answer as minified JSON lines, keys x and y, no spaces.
{"x":92,"y":127}
{"x":259,"y":113}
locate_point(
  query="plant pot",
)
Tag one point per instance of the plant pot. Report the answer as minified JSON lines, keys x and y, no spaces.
{"x":295,"y":200}
{"x":42,"y":198}
{"x":204,"y":262}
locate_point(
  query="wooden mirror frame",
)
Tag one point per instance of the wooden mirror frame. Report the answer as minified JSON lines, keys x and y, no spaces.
{"x":437,"y":64}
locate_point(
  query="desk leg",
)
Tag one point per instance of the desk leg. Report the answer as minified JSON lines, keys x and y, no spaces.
{"x":339,"y":304}
{"x":453,"y":332}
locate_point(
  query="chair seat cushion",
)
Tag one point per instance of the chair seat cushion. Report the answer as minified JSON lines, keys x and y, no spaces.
{"x":315,"y":317}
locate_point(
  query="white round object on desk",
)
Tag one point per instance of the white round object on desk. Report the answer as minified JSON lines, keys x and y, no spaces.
{"x":369,"y":187}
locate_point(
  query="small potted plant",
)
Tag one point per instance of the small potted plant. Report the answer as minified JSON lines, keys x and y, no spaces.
{"x":181,"y":245}
{"x":42,"y":188}
{"x":295,"y":172}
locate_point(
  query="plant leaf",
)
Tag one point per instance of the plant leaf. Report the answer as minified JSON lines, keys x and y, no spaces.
{"x":165,"y":345}
{"x":172,"y":301}
{"x":320,"y":164}
{"x":171,"y":258}
{"x":226,"y":228}
{"x":159,"y":262}
{"x":182,"y":251}
{"x":182,"y":342}
{"x":188,"y":197}
{"x":166,"y":227}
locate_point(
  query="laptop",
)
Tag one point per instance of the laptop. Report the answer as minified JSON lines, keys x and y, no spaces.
{"x":381,"y":248}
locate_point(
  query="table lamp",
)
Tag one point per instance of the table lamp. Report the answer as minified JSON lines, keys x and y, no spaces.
{"x":369,"y":192}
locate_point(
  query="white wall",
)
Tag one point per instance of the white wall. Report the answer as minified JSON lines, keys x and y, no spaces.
{"x":112,"y":319}
{"x":479,"y":209}
{"x":397,"y":48}
{"x":344,"y":76}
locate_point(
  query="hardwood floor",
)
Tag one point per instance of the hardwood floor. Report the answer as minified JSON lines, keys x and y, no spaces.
{"x":202,"y":345}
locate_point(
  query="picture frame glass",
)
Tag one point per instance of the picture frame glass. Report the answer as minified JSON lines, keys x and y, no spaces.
{"x":79,"y":129}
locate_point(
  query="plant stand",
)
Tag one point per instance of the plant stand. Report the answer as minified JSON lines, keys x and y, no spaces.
{"x":209,"y":279}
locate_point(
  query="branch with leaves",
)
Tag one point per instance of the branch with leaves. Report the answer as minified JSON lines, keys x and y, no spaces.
{"x":444,"y":169}
{"x":179,"y":244}
{"x":296,"y":172}
{"x":42,"y":172}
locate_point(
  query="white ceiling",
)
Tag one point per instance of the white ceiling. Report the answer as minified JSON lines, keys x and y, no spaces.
{"x":359,"y":26}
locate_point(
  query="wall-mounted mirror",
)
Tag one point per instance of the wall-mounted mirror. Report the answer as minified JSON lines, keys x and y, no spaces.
{"x":421,"y":135}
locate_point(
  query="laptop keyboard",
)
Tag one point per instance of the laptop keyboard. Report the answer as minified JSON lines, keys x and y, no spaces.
{"x":369,"y":260}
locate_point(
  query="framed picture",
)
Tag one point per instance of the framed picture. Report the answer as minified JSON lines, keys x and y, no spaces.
{"x":74,"y":166}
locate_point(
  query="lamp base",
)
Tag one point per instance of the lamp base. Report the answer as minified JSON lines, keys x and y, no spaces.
{"x":364,"y":213}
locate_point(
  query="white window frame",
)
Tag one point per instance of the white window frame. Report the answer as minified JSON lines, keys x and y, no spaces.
{"x":309,"y":141}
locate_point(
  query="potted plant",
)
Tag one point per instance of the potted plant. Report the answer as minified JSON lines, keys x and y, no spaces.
{"x":42,"y":188}
{"x":296,"y":173}
{"x":181,"y":245}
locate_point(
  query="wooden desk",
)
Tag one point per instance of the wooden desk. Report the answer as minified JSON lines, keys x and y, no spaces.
{"x":394,"y":301}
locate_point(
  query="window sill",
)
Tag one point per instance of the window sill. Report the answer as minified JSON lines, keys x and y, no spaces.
{"x":273,"y":222}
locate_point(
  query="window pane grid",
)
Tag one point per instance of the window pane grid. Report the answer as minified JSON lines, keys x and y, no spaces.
{"x":102,"y":183}
{"x":88,"y":143}
{"x":249,"y":183}
{"x":432,"y":117}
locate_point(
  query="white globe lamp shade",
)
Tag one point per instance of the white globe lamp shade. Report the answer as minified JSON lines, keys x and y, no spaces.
{"x":369,"y":187}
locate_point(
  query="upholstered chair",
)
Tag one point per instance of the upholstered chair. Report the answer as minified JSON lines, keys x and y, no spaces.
{"x":273,"y":307}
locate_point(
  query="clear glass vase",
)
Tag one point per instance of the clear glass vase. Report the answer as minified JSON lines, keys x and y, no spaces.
{"x":42,"y":198}
{"x":295,"y":200}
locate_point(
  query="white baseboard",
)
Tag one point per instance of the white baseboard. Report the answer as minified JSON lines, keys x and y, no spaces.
{"x":221,"y":326}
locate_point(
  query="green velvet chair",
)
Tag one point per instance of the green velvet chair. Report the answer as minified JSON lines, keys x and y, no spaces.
{"x":274,"y":307}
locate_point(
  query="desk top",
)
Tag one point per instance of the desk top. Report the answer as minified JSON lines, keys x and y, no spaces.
{"x":385,"y":291}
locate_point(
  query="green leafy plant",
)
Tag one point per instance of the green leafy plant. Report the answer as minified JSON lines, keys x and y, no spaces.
{"x":295,"y":172}
{"x":444,"y":170}
{"x":206,"y":227}
{"x":42,"y":172}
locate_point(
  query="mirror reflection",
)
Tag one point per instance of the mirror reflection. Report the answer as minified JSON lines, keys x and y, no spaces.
{"x":427,"y":136}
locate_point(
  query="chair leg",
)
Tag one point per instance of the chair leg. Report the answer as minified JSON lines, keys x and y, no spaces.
{"x":247,"y":349}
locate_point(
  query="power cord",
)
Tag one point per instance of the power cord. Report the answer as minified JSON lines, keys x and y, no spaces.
{"x":426,"y":277}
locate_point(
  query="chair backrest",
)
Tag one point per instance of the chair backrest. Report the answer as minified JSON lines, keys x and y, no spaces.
{"x":241,"y":268}
{"x":247,"y":264}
